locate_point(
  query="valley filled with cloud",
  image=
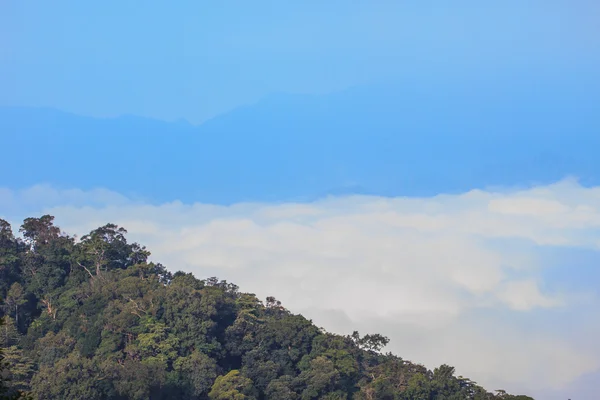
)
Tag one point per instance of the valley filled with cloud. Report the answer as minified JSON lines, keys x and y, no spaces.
{"x":499,"y":283}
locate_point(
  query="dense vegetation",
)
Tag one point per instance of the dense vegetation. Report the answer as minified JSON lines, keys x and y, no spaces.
{"x":94,"y":319}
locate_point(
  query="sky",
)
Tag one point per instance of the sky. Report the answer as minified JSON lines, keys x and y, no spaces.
{"x":444,"y":192}
{"x":195,"y":60}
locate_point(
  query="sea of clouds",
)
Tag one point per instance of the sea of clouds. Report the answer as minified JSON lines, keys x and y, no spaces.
{"x":459,"y":279}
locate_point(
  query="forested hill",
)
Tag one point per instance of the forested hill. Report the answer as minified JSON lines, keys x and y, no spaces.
{"x":94,"y":319}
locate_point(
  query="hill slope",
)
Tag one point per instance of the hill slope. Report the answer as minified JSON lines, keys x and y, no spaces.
{"x":93,"y":319}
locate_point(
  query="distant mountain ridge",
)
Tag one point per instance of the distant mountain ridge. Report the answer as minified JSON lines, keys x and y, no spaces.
{"x":410,"y":140}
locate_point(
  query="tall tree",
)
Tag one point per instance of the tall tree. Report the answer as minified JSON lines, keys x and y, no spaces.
{"x":106,"y":249}
{"x":232,"y":386}
{"x":15,"y":298}
{"x":10,"y":252}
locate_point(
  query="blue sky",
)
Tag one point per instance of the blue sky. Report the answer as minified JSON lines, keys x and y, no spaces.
{"x":195,"y":60}
{"x":440,"y":159}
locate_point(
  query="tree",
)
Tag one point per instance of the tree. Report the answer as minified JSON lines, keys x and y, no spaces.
{"x":199,"y":370}
{"x":6,"y":234}
{"x":319,"y":379}
{"x":15,"y":298}
{"x":20,"y":369}
{"x":39,"y":231}
{"x":137,"y":380}
{"x":419,"y":388}
{"x":73,"y":377}
{"x":53,"y":347}
{"x":106,"y":249}
{"x":10,"y":252}
{"x":155,"y":343}
{"x":46,"y":263}
{"x":232,"y":386}
{"x":374,"y":342}
{"x":281,"y":388}
{"x":445,"y":386}
{"x":9,"y":336}
{"x":8,"y":389}
{"x":3,"y":370}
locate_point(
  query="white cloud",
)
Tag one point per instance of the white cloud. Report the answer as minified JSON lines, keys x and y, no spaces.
{"x":438,"y":275}
{"x":527,"y":207}
{"x":525,"y":295}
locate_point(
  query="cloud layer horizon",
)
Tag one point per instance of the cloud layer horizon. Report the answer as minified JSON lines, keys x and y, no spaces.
{"x":500,"y":284}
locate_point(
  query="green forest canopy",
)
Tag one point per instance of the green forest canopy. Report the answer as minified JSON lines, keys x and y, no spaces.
{"x":94,"y":319}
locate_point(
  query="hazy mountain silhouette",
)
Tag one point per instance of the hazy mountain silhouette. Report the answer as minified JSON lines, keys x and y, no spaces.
{"x":404,"y":139}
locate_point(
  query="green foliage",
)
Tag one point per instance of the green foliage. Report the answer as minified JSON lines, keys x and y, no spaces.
{"x":319,"y":379}
{"x":282,"y":388}
{"x":3,"y":369}
{"x":20,"y":368}
{"x":94,"y":319}
{"x":15,"y":369}
{"x":232,"y":386}
{"x":370,"y":342}
{"x":199,"y":370}
{"x":73,"y":377}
